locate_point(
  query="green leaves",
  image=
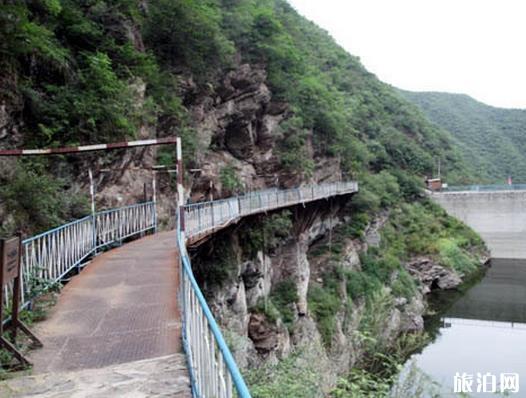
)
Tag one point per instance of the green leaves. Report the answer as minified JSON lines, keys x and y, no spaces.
{"x":98,"y":107}
{"x":188,"y":33}
{"x":229,"y":180}
{"x":36,"y":201}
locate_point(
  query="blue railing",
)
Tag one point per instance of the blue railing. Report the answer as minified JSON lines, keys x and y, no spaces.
{"x":213,"y":370}
{"x":485,"y":188}
{"x":211,"y":365}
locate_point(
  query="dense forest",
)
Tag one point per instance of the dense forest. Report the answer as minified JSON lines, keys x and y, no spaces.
{"x":92,"y":71}
{"x":491,"y":139}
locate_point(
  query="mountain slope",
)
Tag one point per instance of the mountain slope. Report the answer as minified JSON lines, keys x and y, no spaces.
{"x":492,"y":139}
{"x":261,"y":98}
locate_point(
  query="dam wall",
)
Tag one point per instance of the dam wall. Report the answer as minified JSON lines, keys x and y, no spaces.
{"x":499,"y":217}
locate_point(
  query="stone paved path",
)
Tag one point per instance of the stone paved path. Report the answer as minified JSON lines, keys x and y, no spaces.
{"x":159,"y":377}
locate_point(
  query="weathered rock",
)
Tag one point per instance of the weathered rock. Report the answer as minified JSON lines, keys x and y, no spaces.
{"x":4,"y":120}
{"x":256,"y":277}
{"x":267,"y":336}
{"x":372,"y":232}
{"x":432,"y":275}
{"x":411,"y":314}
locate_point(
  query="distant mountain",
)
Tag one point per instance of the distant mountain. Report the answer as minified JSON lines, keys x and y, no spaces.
{"x":493,"y":140}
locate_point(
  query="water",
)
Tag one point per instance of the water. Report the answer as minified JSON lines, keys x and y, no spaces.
{"x":480,"y":330}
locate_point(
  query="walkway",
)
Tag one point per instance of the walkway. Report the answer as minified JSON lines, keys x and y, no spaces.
{"x":158,"y":377}
{"x":122,"y":308}
{"x":116,"y":329}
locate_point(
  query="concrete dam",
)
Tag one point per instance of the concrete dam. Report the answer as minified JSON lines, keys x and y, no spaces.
{"x":499,"y":217}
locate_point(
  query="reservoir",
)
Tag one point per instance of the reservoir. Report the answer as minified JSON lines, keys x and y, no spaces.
{"x":479,"y":330}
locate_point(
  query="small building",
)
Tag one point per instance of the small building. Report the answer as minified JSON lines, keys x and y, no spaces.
{"x":434,"y":184}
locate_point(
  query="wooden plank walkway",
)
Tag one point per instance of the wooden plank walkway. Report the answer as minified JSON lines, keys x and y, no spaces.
{"x":121,"y":308}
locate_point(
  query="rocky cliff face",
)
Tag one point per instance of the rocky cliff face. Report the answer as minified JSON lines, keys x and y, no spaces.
{"x":243,"y":301}
{"x":238,"y":127}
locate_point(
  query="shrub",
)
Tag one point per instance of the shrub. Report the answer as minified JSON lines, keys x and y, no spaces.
{"x":268,"y":233}
{"x":188,"y":33}
{"x":294,"y":156}
{"x":361,"y":285}
{"x":267,"y":308}
{"x":229,"y":179}
{"x":324,"y":303}
{"x":36,"y":199}
{"x":404,"y":285}
{"x":356,"y":227}
{"x":283,"y":295}
{"x":293,"y":377}
{"x":451,"y":255}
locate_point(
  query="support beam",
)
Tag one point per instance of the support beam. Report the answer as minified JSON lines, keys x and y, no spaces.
{"x":88,"y":148}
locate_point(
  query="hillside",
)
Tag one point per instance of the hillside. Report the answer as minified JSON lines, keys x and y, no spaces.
{"x":492,"y":139}
{"x":101,"y":71}
{"x":261,"y":98}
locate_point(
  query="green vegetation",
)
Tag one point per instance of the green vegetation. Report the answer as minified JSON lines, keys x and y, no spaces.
{"x":293,"y":154}
{"x":35,"y":200}
{"x":41,"y":305}
{"x":325,"y":302}
{"x":492,"y":140}
{"x":99,"y":70}
{"x":214,"y":268}
{"x":267,"y":233}
{"x":293,"y":377}
{"x":78,"y":72}
{"x":423,"y":228}
{"x":285,"y":294}
{"x":353,"y":115}
{"x":280,"y":304}
{"x":361,"y":383}
{"x":411,"y":229}
{"x":229,"y":180}
{"x":196,"y":41}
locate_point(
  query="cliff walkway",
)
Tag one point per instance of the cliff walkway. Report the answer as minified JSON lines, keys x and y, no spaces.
{"x":134,"y":322}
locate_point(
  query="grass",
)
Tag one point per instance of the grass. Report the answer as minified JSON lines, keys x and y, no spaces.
{"x":325,"y":301}
{"x":41,"y":306}
{"x":293,"y":377}
{"x":452,"y":256}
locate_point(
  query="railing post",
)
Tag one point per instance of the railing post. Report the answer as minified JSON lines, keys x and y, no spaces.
{"x":212,"y":214}
{"x":154,"y":199}
{"x":93,"y":214}
{"x":180,"y":186}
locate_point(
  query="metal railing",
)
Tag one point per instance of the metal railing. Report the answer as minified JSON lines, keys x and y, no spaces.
{"x":213,"y":370}
{"x":48,"y":257}
{"x":485,"y":188}
{"x":202,"y":217}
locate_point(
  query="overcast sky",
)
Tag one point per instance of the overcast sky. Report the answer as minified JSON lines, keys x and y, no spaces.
{"x":476,"y":47}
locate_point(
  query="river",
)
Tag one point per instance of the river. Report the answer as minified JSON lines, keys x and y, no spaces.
{"x":479,"y":330}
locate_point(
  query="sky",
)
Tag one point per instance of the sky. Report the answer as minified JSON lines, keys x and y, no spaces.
{"x":474,"y":47}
